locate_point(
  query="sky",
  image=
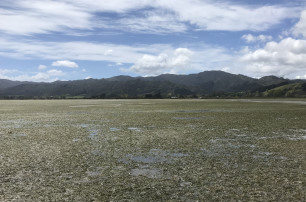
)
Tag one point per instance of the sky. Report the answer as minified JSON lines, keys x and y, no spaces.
{"x":48,"y":40}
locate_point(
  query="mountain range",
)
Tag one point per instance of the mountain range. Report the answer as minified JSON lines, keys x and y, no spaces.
{"x":204,"y":84}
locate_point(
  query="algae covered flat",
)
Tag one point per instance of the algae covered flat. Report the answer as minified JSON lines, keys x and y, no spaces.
{"x":153,"y":150}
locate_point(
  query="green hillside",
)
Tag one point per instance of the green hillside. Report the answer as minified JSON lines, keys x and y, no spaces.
{"x":289,"y":90}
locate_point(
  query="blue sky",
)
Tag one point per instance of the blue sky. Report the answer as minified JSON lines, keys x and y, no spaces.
{"x":45,"y":40}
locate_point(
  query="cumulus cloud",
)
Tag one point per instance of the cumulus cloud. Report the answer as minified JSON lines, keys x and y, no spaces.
{"x":42,"y":67}
{"x":203,"y":56}
{"x":226,"y":69}
{"x":249,"y":38}
{"x":163,"y":63}
{"x":65,"y":63}
{"x":55,"y":72}
{"x":15,"y":75}
{"x":4,"y":73}
{"x":300,"y":27}
{"x":283,"y":58}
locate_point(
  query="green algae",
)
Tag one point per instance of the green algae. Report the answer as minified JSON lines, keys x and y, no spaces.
{"x":152,"y":150}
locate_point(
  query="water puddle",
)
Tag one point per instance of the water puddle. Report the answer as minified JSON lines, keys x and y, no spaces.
{"x":154,"y":156}
{"x":221,"y":147}
{"x":200,"y":111}
{"x":299,"y":134}
{"x":114,"y":129}
{"x":295,"y":134}
{"x":147,"y":172}
{"x":265,"y":156}
{"x":274,"y":101}
{"x":82,"y":106}
{"x":149,"y":159}
{"x":297,"y":137}
{"x":186,"y":118}
{"x":78,"y":113}
{"x":20,"y":135}
{"x":234,"y":129}
{"x":83,"y":125}
{"x":134,"y":129}
{"x":97,"y":153}
{"x":94,"y":173}
{"x":93,"y":133}
{"x":224,"y":147}
{"x":19,"y":123}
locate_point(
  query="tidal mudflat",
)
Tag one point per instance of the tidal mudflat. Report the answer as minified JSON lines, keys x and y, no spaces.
{"x":153,"y":150}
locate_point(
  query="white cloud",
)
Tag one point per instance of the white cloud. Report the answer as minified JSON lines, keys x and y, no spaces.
{"x":4,"y":73}
{"x":156,"y":22}
{"x":28,"y":17}
{"x":163,"y":63}
{"x":301,"y":77}
{"x":300,"y":27}
{"x":37,"y":77}
{"x":18,"y":75}
{"x":204,"y":15}
{"x":117,"y":6}
{"x":207,"y":15}
{"x":29,"y":49}
{"x":55,"y":72}
{"x":65,"y":63}
{"x":15,"y":75}
{"x":249,"y":38}
{"x":108,"y":52}
{"x":33,"y":16}
{"x":283,"y":58}
{"x":226,"y":69}
{"x":42,"y":67}
{"x":7,"y":71}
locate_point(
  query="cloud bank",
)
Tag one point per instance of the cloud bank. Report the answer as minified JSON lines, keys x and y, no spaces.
{"x":283,"y":58}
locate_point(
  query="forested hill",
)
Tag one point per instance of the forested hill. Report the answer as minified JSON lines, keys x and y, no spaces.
{"x":204,"y":84}
{"x":4,"y":83}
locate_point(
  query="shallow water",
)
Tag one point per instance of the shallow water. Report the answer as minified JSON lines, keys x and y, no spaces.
{"x":155,"y":156}
{"x":147,"y":172}
{"x":114,"y":129}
